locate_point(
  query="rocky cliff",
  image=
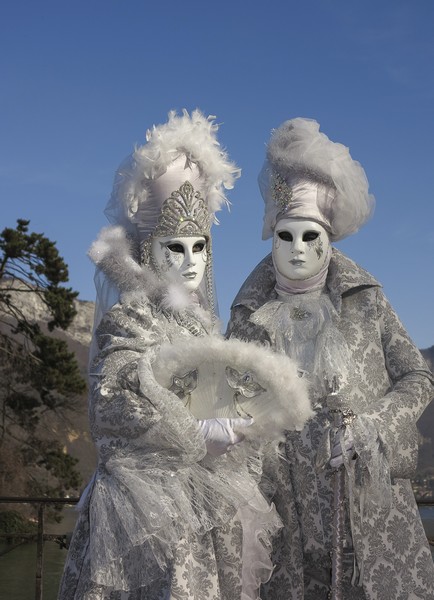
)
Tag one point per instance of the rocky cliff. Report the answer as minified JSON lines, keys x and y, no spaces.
{"x":72,"y":430}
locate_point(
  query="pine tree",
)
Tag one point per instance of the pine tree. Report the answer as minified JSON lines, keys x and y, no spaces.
{"x":39,"y":376}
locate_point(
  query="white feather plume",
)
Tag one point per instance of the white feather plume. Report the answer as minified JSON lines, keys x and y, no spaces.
{"x":193,"y":135}
{"x":196,"y":137}
{"x":298,"y":149}
{"x":175,"y":296}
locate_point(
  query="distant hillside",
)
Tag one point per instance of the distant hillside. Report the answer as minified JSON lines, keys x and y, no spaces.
{"x":426,"y":425}
{"x":72,"y":432}
{"x":428,"y":355}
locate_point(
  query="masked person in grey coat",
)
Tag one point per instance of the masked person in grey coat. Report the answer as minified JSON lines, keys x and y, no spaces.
{"x":309,"y":301}
{"x":166,"y":513}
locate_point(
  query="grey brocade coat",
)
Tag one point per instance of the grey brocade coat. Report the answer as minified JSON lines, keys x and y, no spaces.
{"x":153,"y":481}
{"x":392,"y":555}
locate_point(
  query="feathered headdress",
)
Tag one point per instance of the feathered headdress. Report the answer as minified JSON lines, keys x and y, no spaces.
{"x":170,"y":186}
{"x":183,"y":148}
{"x":307,"y":175}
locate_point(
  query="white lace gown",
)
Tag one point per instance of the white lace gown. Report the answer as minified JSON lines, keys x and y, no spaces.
{"x":387,"y":554}
{"x":162,"y":520}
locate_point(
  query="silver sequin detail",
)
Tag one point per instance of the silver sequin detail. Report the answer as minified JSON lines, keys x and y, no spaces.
{"x":280,"y":191}
{"x":299,"y":314}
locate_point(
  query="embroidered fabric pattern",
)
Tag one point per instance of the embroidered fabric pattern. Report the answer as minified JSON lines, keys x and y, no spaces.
{"x":156,"y":497}
{"x":392,"y":389}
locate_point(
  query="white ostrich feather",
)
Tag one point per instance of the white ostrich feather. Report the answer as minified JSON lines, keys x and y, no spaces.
{"x":298,"y":149}
{"x":176,"y":296}
{"x":193,"y":135}
{"x":112,"y":253}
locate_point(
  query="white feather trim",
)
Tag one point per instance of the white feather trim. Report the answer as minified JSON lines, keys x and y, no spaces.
{"x":283,"y":404}
{"x":176,"y":297}
{"x":193,"y":135}
{"x":112,"y":253}
{"x":298,"y":149}
{"x":196,"y":137}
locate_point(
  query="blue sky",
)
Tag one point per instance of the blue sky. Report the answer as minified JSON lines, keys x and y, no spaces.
{"x":82,"y":81}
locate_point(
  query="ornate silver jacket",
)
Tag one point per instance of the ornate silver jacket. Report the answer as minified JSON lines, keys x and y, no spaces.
{"x":393,"y":387}
{"x":161,"y":520}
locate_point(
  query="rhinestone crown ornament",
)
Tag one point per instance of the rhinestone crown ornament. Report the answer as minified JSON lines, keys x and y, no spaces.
{"x":184,"y":213}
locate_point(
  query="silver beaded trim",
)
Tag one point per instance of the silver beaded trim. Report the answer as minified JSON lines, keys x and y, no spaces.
{"x":280,"y":191}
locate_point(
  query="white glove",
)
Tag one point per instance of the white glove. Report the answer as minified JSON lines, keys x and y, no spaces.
{"x":221,"y":435}
{"x":337,"y":458}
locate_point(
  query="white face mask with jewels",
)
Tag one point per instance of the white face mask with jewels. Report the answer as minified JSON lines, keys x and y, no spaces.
{"x":300,"y":248}
{"x":185,"y":255}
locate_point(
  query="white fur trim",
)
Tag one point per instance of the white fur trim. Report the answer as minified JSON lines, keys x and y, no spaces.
{"x":284,"y":405}
{"x":111,"y":252}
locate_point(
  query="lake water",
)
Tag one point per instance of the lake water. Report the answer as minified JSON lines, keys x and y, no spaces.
{"x":17,"y":568}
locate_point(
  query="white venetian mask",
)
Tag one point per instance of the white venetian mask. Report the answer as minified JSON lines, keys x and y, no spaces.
{"x":300,"y":248}
{"x":185,"y":255}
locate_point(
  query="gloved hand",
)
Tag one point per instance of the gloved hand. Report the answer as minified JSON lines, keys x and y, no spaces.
{"x":337,"y":458}
{"x":222,"y":434}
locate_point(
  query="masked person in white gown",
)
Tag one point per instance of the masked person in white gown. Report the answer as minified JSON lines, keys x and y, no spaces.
{"x":160,"y":519}
{"x":311,"y":302}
